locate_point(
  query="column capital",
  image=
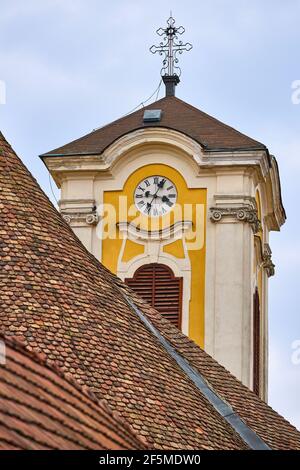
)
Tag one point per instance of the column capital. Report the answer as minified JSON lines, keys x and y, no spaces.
{"x":236,"y":207}
{"x":77,"y":212}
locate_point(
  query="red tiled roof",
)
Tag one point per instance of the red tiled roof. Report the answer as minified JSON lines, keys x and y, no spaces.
{"x":40,"y":409}
{"x":177,"y":115}
{"x":63,"y":302}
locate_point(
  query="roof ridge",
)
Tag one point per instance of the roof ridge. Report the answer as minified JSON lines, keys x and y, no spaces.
{"x":95,"y":271}
{"x":222,"y":407}
{"x":73,"y":419}
{"x":71,"y":233}
{"x":115,"y":121}
{"x":2,"y":136}
{"x":56,"y":432}
{"x":15,"y":342}
{"x":185,"y":103}
{"x":191,"y":121}
{"x":151,"y":314}
{"x":27,"y":436}
{"x":120,"y":359}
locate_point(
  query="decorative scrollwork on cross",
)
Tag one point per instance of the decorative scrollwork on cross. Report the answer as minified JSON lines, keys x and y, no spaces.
{"x":170,"y":47}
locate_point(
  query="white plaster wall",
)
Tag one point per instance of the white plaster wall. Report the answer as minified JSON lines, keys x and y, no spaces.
{"x":232,"y":338}
{"x":85,"y":236}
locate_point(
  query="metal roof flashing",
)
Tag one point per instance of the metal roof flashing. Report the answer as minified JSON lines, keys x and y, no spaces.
{"x":224,"y":409}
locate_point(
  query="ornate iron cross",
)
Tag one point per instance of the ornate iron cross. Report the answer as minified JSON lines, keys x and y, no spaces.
{"x":170,"y":47}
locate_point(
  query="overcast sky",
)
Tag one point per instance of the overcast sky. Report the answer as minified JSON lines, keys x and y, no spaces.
{"x":72,"y":65}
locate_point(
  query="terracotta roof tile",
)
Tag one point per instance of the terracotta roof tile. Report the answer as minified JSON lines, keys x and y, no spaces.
{"x":261,"y":418}
{"x":177,"y":115}
{"x":75,"y":312}
{"x":40,"y":408}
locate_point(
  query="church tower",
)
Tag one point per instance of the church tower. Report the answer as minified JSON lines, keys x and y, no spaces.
{"x":180,"y":206}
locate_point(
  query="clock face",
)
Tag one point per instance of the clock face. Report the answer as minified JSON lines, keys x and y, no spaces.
{"x":155,"y":196}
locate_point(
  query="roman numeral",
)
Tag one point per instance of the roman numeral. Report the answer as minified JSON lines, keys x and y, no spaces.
{"x":147,"y":183}
{"x":172,"y":195}
{"x":170,"y":187}
{"x":139,"y":195}
{"x":140,"y":188}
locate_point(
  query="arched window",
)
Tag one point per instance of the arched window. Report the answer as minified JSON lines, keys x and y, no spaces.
{"x":157,"y":284}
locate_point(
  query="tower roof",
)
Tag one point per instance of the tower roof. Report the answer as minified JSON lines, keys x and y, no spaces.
{"x":41,"y":409}
{"x":61,"y":301}
{"x":177,"y":115}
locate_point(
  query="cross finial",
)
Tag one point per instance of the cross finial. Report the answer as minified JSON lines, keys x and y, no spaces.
{"x":170,"y":47}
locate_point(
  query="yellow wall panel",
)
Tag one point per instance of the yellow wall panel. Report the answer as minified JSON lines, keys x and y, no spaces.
{"x":123,"y":202}
{"x":175,"y":249}
{"x":132,"y":250}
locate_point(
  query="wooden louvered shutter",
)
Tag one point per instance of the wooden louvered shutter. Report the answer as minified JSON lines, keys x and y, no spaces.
{"x":157,"y":284}
{"x":256,"y":342}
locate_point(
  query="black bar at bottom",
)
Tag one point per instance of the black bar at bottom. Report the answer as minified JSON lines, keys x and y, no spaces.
{"x":139,"y":459}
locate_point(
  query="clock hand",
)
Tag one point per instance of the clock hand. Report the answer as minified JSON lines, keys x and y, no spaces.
{"x":161,"y":183}
{"x":158,"y":186}
{"x":154,"y":196}
{"x":148,"y":207}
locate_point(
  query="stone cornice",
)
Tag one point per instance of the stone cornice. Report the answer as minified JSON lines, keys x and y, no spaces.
{"x":208,"y":161}
{"x":248,"y":158}
{"x":203,"y":158}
